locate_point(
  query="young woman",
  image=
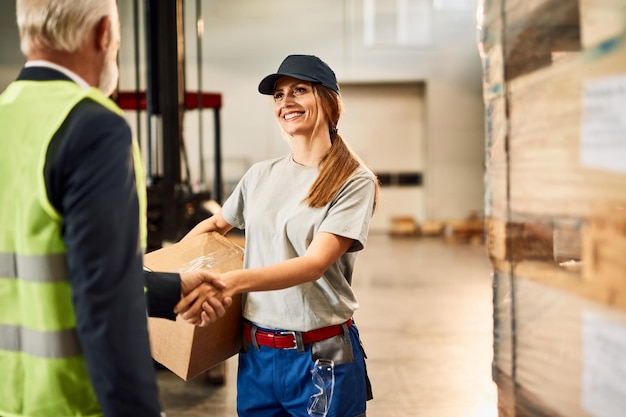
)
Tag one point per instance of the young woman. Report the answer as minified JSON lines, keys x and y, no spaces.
{"x":305,"y":215}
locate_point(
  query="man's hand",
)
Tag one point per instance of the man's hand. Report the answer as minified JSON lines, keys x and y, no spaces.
{"x":203,"y":301}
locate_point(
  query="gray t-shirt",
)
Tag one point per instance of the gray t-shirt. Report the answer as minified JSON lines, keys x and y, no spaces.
{"x":268,"y":204}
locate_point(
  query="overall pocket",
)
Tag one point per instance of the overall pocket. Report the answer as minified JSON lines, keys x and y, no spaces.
{"x":335,"y":348}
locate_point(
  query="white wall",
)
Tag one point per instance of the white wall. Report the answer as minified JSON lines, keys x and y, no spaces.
{"x":245,"y":40}
{"x":385,"y":123}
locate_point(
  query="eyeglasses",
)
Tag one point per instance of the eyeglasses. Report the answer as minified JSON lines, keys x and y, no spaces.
{"x":323,"y":376}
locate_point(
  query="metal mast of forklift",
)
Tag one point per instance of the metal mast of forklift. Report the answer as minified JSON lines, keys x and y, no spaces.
{"x":166,"y":101}
{"x":165,"y":98}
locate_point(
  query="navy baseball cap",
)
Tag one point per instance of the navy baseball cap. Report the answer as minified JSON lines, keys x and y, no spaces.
{"x":303,"y":67}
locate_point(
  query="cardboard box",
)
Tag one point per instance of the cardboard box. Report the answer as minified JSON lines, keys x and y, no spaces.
{"x":185,"y":349}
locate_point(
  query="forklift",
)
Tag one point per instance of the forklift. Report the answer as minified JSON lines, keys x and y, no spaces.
{"x":174,"y":205}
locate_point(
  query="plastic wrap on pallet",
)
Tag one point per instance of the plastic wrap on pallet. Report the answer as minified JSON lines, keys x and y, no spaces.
{"x":547,"y":351}
{"x":584,"y":257}
{"x":489,"y":34}
{"x":566,"y":351}
{"x":503,"y":365}
{"x":601,"y":21}
{"x":516,"y":242}
{"x":555,"y":352}
{"x":517,"y":37}
{"x":554,"y":85}
{"x":603,"y":250}
{"x":547,"y":140}
{"x":537,"y":32}
{"x":495,"y":203}
{"x":603,"y":346}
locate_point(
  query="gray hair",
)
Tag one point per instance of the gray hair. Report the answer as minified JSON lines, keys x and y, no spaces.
{"x":60,"y":25}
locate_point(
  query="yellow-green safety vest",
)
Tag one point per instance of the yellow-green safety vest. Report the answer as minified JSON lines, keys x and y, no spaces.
{"x":42,"y":370}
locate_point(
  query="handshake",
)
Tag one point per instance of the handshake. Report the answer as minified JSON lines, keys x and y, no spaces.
{"x":204,"y":297}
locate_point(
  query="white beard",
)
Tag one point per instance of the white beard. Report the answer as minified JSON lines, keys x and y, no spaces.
{"x":110,"y":71}
{"x":110,"y":74}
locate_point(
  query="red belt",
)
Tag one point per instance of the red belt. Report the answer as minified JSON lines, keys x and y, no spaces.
{"x":287,"y":339}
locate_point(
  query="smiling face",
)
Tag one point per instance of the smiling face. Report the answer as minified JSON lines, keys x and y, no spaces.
{"x":296,"y":107}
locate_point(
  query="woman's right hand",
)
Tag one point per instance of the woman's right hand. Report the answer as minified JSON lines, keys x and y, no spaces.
{"x":203,"y":298}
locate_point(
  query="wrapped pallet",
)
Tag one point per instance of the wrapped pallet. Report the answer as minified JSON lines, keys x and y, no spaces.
{"x":554,"y":87}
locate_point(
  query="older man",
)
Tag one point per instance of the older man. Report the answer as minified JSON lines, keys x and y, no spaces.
{"x":73,"y":333}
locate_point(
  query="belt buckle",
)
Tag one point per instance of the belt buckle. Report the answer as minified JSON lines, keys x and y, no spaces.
{"x":295,"y":341}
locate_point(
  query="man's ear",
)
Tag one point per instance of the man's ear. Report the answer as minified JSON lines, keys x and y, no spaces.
{"x":103,"y":33}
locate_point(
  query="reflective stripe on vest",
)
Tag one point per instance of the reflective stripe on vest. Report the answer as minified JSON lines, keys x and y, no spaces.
{"x":34,"y":268}
{"x":53,"y":345}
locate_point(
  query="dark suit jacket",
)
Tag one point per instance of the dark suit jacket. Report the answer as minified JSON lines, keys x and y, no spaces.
{"x":90,"y":180}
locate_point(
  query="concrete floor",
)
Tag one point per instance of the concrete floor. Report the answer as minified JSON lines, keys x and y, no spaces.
{"x":426,"y":324}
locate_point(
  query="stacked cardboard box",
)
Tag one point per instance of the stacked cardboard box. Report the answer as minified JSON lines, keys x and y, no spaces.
{"x":554,"y":85}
